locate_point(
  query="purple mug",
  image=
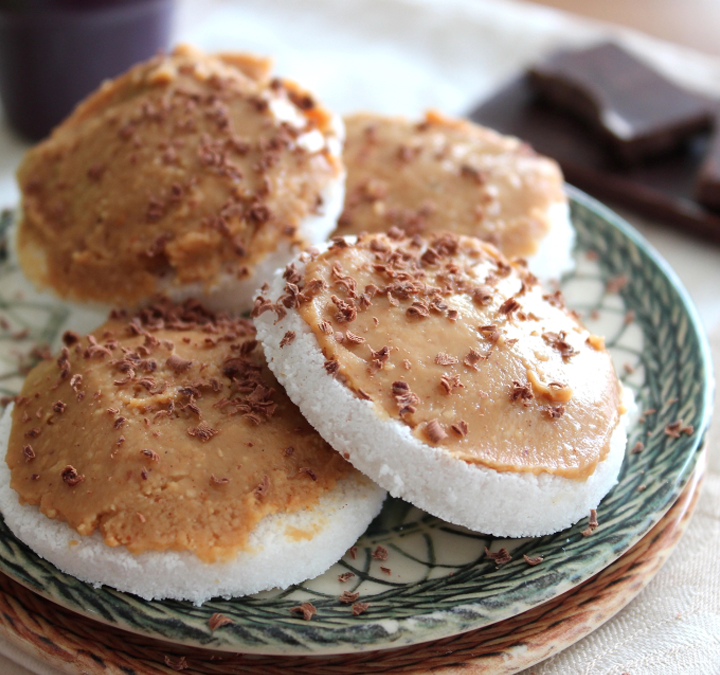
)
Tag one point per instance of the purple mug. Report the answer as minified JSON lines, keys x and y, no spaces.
{"x":53,"y":53}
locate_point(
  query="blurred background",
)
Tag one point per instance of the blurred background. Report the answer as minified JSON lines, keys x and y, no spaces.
{"x":693,"y":23}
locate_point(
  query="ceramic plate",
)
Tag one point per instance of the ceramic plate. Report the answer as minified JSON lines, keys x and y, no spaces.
{"x":436,"y":580}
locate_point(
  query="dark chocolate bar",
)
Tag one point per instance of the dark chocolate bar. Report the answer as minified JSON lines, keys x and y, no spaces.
{"x":708,"y":177}
{"x":637,"y":111}
{"x":663,"y":190}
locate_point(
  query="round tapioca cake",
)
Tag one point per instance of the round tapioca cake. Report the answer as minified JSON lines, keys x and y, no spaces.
{"x":445,"y":174}
{"x":446,"y":374}
{"x":189,"y":175}
{"x":158,"y":455}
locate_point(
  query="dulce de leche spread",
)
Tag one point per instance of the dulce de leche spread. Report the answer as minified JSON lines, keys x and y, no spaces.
{"x":166,"y":431}
{"x":463,"y":347}
{"x":185,"y":169}
{"x":450,"y":175}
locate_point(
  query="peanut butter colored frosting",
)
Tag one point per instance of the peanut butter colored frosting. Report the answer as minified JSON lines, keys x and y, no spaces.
{"x":166,"y":431}
{"x":450,"y":175}
{"x":185,"y":168}
{"x":463,"y":347}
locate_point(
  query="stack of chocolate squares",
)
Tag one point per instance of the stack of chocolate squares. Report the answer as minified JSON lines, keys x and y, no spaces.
{"x":621,"y":131}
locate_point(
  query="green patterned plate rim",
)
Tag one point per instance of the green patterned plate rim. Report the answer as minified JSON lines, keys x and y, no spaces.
{"x":437,"y":580}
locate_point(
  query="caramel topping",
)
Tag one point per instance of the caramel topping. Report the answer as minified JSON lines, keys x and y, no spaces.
{"x":448,"y":175}
{"x":179,"y":171}
{"x":187,"y":451}
{"x":508,"y":382}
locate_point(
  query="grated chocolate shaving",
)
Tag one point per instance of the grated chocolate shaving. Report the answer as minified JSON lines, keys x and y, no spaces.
{"x":179,"y":664}
{"x":380,"y":553}
{"x":59,"y":407}
{"x":490,"y":332}
{"x":509,"y":306}
{"x":332,"y":366}
{"x":434,"y":431}
{"x":533,"y":561}
{"x":342,"y":578}
{"x":287,"y":338}
{"x":178,"y":364}
{"x":554,"y":412}
{"x":461,"y":428}
{"x":638,"y":448}
{"x":70,"y":338}
{"x":218,"y":481}
{"x":405,"y":399}
{"x":71,"y":477}
{"x":451,"y":383}
{"x":592,"y":523}
{"x":203,"y":432}
{"x":472,"y":359}
{"x":482,"y":295}
{"x":307,"y":609}
{"x":521,"y":392}
{"x":348,"y":597}
{"x":359,"y":607}
{"x":418,"y":309}
{"x":28,"y":453}
{"x":675,"y":429}
{"x":218,"y":620}
{"x":615,"y":284}
{"x":151,"y":455}
{"x":500,"y":557}
{"x":354,"y":339}
{"x":557,"y":341}
{"x":443,"y":359}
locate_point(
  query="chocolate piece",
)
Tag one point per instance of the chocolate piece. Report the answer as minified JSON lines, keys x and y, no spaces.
{"x":708,"y":178}
{"x":663,"y":190}
{"x":638,"y":111}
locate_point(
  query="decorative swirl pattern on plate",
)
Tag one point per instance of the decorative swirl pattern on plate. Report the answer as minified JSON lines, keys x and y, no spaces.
{"x":440,"y":582}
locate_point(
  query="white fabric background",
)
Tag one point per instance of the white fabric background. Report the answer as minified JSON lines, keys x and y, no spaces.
{"x":402,"y":57}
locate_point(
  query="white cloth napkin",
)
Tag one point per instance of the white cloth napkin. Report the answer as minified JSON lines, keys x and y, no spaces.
{"x":402,"y":57}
